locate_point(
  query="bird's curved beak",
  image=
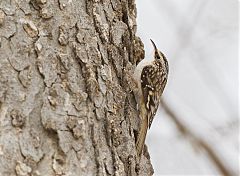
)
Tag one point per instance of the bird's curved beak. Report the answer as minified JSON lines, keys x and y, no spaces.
{"x":155,"y":48}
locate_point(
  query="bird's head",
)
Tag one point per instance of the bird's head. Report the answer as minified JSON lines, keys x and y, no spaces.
{"x":159,"y":56}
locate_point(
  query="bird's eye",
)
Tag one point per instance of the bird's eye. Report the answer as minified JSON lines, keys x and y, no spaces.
{"x":157,"y":56}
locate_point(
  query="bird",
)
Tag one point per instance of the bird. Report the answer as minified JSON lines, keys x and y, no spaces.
{"x":151,"y":77}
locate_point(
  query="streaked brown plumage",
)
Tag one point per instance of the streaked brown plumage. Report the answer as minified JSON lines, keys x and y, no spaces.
{"x":151,"y":77}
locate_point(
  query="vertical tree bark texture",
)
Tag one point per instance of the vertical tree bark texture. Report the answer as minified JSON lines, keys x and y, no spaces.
{"x":66,"y":106}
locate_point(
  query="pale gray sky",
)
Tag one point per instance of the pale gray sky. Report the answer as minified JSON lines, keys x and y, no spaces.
{"x":200,"y":40}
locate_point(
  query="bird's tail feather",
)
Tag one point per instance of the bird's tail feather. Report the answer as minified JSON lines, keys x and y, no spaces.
{"x":142,"y":135}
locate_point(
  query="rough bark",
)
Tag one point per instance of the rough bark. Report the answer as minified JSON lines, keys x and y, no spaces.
{"x":66,"y":102}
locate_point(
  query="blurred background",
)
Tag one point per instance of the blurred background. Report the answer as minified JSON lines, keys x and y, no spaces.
{"x":196,"y":130}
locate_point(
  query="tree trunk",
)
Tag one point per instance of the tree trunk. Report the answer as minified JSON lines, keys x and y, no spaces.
{"x":66,"y":101}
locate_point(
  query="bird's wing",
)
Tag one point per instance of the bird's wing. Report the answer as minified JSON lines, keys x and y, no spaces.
{"x":153,"y":82}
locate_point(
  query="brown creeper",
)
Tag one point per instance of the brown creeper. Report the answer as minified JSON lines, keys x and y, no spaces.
{"x":151,"y":78}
